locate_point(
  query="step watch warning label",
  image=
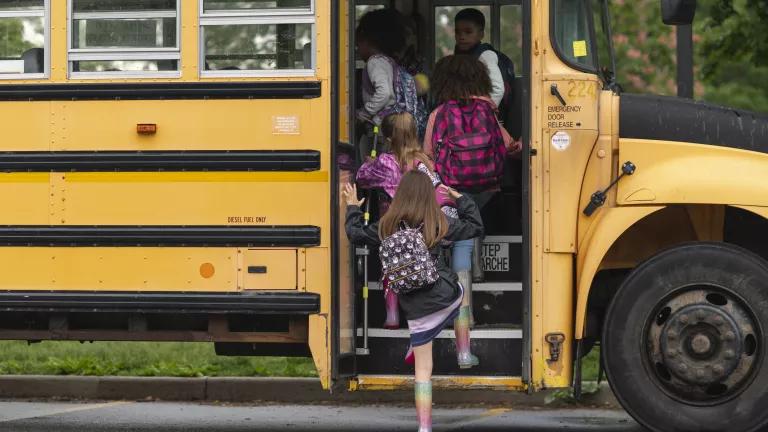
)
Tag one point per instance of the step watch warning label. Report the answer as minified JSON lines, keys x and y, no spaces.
{"x":495,"y":257}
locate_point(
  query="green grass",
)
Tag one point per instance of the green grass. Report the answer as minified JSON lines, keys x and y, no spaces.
{"x":590,"y":365}
{"x":161,"y":359}
{"x":141,"y":359}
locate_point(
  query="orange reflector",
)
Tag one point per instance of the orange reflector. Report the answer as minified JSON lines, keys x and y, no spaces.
{"x":207,"y":270}
{"x":146,"y":129}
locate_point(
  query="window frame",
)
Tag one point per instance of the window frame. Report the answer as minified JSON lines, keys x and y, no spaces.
{"x":117,"y":54}
{"x":591,"y":45}
{"x":45,"y":13}
{"x":257,"y":17}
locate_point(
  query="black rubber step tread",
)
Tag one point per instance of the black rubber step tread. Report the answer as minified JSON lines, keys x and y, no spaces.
{"x":495,"y":308}
{"x":498,"y":357}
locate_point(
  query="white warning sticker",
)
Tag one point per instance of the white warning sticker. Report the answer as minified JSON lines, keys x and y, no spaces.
{"x":561,"y":141}
{"x":285,"y":125}
{"x":495,"y":256}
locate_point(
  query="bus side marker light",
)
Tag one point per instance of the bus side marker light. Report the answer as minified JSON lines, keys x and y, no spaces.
{"x":146,"y":128}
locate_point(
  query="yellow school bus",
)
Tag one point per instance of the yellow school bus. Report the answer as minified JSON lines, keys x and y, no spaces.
{"x":170,"y":171}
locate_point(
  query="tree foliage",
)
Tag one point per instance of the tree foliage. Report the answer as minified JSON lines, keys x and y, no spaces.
{"x":12,"y":42}
{"x":732,"y":30}
{"x":731,"y":51}
{"x":645,"y":47}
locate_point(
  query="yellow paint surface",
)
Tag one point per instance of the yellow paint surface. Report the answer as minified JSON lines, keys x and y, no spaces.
{"x":395,"y":382}
{"x":117,"y":269}
{"x":172,"y":198}
{"x":280,"y":266}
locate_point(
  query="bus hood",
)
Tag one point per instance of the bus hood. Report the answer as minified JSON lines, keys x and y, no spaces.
{"x":667,"y":118}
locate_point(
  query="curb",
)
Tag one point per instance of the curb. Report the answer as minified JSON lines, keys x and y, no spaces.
{"x":273,"y":390}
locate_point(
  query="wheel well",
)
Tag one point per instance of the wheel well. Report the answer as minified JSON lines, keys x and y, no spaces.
{"x":664,"y":229}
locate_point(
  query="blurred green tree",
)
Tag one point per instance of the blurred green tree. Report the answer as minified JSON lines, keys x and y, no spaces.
{"x":732,"y":52}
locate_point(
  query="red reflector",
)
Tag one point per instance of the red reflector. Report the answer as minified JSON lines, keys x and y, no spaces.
{"x":146,"y":129}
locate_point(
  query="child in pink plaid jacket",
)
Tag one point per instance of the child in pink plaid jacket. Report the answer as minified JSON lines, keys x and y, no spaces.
{"x":461,"y":86}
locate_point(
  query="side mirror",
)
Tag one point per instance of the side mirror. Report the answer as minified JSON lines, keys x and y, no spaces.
{"x":678,"y":12}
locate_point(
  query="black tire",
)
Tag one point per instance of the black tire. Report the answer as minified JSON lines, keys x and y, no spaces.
{"x":696,"y":305}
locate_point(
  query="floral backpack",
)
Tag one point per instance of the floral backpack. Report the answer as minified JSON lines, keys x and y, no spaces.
{"x":406,"y":262}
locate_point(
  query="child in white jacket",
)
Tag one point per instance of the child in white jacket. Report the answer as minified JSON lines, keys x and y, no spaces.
{"x":469,"y":27}
{"x":380,"y":36}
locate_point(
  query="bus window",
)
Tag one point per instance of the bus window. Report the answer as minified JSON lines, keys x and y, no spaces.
{"x":252,"y":38}
{"x":444,"y":31}
{"x":130,"y":38}
{"x":23,"y":32}
{"x":298,"y":6}
{"x":511,"y":36}
{"x":571,"y":31}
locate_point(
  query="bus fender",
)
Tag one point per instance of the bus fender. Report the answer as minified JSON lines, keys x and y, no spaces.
{"x":611,"y":223}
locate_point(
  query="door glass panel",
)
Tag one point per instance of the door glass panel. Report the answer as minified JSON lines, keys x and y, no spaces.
{"x":512,"y":34}
{"x":572,"y":32}
{"x":444,"y":31}
{"x":361,"y":10}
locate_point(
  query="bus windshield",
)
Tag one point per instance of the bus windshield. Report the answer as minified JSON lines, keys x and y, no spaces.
{"x":581,"y":35}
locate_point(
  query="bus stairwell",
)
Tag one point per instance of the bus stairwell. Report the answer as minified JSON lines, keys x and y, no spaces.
{"x":497,"y":337}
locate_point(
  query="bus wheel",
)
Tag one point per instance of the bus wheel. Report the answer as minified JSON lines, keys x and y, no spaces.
{"x":685,"y":337}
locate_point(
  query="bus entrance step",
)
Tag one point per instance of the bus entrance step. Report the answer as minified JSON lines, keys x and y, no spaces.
{"x":496,"y":349}
{"x":493,"y":303}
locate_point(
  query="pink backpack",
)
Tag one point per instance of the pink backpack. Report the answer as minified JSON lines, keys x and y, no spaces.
{"x":469,"y":145}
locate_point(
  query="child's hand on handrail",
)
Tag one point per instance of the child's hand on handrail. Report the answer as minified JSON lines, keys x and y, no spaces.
{"x":350,"y":194}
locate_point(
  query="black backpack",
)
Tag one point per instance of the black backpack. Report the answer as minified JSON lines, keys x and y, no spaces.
{"x":507,"y":67}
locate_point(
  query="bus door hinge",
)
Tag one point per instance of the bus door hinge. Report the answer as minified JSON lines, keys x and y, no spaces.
{"x":555,"y":341}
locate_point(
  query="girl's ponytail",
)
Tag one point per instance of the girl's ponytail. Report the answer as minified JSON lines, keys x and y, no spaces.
{"x":402,"y":135}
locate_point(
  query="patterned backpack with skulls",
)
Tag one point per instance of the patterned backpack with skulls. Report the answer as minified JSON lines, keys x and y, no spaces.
{"x":406,"y":262}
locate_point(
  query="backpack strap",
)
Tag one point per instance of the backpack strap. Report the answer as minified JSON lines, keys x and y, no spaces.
{"x":404,"y":226}
{"x":508,"y":141}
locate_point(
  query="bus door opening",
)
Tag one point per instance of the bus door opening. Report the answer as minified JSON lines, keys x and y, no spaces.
{"x":497,"y":337}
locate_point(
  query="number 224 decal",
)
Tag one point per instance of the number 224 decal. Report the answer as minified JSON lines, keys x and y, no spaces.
{"x":582,"y":88}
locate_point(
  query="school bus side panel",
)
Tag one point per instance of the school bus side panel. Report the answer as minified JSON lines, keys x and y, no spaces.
{"x":676,"y":172}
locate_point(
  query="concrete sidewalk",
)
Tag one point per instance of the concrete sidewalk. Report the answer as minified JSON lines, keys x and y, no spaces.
{"x":244,"y":390}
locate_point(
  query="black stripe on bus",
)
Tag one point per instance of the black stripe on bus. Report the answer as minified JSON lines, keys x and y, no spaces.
{"x":152,"y":91}
{"x":248,"y":160}
{"x":258,"y":303}
{"x":159,"y":236}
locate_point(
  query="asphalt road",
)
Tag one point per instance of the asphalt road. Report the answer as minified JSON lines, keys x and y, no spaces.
{"x":173,"y":417}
